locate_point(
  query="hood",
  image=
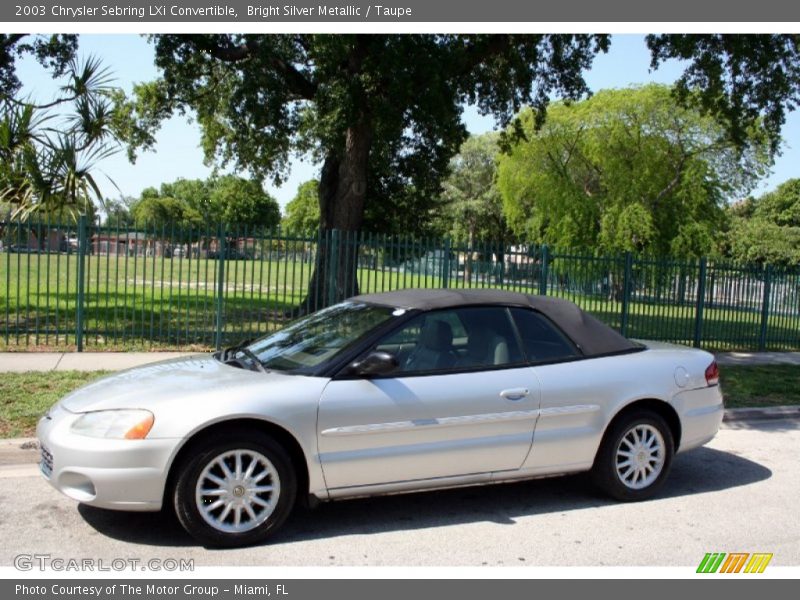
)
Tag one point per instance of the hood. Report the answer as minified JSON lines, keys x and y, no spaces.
{"x":146,"y":386}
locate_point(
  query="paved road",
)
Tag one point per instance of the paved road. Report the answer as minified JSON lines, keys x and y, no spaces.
{"x":738,"y":494}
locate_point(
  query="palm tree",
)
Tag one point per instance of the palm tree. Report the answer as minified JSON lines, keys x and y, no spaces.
{"x":48,"y":159}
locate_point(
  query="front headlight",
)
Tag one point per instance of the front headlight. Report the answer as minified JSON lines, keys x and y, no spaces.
{"x":133,"y":424}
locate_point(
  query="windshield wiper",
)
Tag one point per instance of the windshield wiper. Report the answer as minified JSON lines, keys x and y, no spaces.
{"x":227,"y":353}
{"x":254,"y":359}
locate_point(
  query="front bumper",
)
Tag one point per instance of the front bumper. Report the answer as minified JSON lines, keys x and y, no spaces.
{"x":114,"y":474}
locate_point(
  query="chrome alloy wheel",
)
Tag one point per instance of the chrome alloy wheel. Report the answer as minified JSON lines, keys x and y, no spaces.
{"x":237,"y":491}
{"x":640,"y":456}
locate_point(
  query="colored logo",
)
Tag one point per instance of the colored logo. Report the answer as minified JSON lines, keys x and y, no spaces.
{"x":734,"y":562}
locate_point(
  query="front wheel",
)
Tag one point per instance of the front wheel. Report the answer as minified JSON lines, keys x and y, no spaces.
{"x":635,"y":456}
{"x":235,"y":491}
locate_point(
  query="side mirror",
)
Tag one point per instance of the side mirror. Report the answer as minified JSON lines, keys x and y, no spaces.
{"x":375,"y":363}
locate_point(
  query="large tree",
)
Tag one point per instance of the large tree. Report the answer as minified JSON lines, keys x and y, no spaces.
{"x":237,"y":201}
{"x":161,"y":213}
{"x":743,"y":80}
{"x":472,"y":208}
{"x":627,"y":170}
{"x":229,"y":199}
{"x":54,"y":52}
{"x":381,"y":113}
{"x":766,"y":230}
{"x":302,"y":211}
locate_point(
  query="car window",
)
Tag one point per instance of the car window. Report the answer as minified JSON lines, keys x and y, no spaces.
{"x":464,"y":338}
{"x":311,"y":340}
{"x":541,"y":340}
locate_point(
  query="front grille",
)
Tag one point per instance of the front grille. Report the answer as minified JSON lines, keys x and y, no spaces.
{"x":47,"y":461}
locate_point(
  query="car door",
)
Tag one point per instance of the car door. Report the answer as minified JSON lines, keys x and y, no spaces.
{"x":461,"y":402}
{"x":571,"y":421}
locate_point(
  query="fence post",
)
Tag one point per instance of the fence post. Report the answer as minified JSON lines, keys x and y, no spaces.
{"x":333,"y":266}
{"x":762,"y":335}
{"x":701,"y":302}
{"x":222,"y":249}
{"x":445,"y":276}
{"x":543,"y":274}
{"x":626,"y":292}
{"x":79,"y":317}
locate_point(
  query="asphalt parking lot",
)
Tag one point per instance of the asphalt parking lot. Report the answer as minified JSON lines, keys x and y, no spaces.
{"x":738,"y":494}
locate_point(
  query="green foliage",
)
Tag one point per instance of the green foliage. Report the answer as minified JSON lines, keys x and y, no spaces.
{"x":54,"y":52}
{"x":48,"y":157}
{"x":745,"y":81}
{"x":228,"y":199}
{"x":782,"y":205}
{"x":118,"y":212}
{"x":761,"y":241}
{"x":767,"y":230}
{"x":160,"y":213}
{"x":473,"y":207}
{"x":382,"y":112}
{"x":626,"y":170}
{"x":194,"y":192}
{"x":302,"y":212}
{"x":237,"y":201}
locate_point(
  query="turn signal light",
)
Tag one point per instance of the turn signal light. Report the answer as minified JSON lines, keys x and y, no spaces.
{"x":141,"y":429}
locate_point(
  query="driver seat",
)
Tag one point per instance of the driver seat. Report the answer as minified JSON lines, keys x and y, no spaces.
{"x":434,"y":349}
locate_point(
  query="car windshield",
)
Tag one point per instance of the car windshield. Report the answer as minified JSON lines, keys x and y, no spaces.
{"x":311,"y":340}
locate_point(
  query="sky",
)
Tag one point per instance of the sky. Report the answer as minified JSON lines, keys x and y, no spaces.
{"x":177,"y":152}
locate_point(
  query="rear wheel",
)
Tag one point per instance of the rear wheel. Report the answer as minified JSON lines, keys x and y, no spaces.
{"x":236,"y":490}
{"x":635,"y":456}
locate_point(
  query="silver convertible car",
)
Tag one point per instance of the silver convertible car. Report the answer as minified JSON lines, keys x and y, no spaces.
{"x":383,"y":393}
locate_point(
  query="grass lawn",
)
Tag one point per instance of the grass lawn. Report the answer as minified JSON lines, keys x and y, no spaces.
{"x":26,"y":396}
{"x":760,"y":385}
{"x":156,"y":303}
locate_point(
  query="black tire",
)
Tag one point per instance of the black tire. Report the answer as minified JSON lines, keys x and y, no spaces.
{"x":605,"y":473}
{"x":281,"y":475}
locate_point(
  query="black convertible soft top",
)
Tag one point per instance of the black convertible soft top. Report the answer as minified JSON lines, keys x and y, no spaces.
{"x":592,"y":336}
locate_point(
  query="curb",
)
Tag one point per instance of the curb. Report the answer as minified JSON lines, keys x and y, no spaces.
{"x":761,"y":414}
{"x":18,"y":451}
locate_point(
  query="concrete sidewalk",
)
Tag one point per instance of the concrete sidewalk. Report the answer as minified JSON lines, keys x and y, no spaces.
{"x":756,"y":358}
{"x":18,"y":362}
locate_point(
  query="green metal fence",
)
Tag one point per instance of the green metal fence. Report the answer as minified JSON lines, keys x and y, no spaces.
{"x":82,"y":286}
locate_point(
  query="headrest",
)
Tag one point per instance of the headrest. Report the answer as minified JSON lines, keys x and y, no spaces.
{"x":436,"y":335}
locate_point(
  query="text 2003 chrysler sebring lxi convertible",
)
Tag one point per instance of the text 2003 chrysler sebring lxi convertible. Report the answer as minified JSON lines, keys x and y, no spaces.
{"x":383,"y":393}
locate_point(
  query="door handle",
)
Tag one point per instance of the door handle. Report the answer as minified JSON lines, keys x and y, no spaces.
{"x":515,"y":393}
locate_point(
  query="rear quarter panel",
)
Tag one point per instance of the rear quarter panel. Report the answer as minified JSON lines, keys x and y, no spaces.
{"x":579,"y":400}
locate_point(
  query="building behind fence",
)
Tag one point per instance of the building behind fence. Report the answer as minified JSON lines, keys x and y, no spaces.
{"x":82,"y":286}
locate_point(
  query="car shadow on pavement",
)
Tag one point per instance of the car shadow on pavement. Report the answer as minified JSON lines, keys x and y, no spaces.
{"x":696,"y":472}
{"x":157,"y":529}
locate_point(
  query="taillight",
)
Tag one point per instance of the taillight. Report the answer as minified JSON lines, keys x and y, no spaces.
{"x":712,"y":374}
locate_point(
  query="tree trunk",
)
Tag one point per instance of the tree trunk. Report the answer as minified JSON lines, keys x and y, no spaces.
{"x":500,"y":254}
{"x":468,"y":262}
{"x":342,"y":195}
